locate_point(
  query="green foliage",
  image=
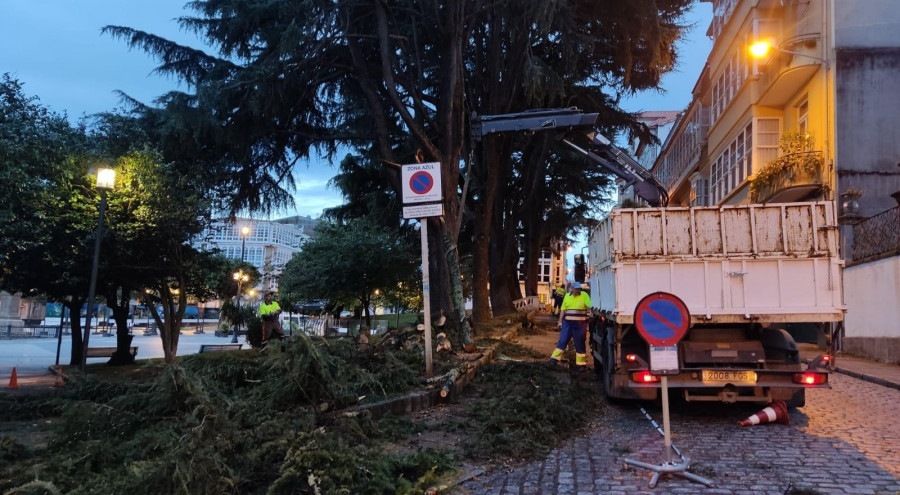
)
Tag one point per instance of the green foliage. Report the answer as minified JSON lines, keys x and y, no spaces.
{"x":230,"y":422}
{"x":48,"y":208}
{"x":36,"y":487}
{"x":11,"y":450}
{"x":346,"y":263}
{"x":526,"y":410}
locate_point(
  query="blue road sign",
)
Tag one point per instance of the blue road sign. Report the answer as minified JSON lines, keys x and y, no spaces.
{"x":662,"y":319}
{"x":421,"y":182}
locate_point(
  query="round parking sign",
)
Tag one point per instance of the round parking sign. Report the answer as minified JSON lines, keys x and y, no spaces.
{"x":662,"y":319}
{"x":421,"y":182}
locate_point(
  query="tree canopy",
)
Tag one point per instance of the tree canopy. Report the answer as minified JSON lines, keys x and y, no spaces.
{"x":396,"y":82}
{"x":346,"y":263}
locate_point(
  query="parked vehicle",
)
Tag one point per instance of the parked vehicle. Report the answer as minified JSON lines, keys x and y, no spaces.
{"x":744,"y":272}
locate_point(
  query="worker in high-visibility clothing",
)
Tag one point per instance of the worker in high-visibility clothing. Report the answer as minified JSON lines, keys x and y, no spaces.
{"x":269,"y":311}
{"x":573,"y":320}
{"x":558,"y":296}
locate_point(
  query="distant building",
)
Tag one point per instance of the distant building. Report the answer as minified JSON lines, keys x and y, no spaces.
{"x":268,"y":245}
{"x":552,"y":271}
{"x":307,"y":225}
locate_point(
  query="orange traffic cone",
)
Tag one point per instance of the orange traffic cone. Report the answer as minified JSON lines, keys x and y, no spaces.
{"x":14,"y":379}
{"x":776,"y":412}
{"x":60,"y":381}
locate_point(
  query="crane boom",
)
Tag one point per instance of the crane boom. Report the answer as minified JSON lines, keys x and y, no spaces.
{"x":565,"y":120}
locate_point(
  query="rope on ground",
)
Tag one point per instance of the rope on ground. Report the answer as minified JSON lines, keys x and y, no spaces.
{"x":661,"y":432}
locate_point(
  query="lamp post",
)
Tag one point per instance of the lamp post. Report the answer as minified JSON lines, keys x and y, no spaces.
{"x":106,"y":180}
{"x":245,"y":232}
{"x":241,"y":277}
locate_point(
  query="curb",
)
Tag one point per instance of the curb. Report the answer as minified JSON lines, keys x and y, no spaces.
{"x":863,"y":376}
{"x":869,"y":378}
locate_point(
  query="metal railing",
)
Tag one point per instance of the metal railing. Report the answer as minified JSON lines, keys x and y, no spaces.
{"x":877,"y":235}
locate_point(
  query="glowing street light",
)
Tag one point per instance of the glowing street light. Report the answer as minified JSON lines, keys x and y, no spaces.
{"x":240,"y":277}
{"x":106,"y":181}
{"x":761,"y":48}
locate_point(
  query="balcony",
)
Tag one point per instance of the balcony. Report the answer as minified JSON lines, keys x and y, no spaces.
{"x":796,"y":175}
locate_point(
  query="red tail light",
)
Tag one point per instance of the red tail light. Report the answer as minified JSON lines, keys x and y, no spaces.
{"x":810,"y":378}
{"x":644,"y":376}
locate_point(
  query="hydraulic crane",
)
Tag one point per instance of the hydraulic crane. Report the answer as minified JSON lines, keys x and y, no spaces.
{"x":566,"y":120}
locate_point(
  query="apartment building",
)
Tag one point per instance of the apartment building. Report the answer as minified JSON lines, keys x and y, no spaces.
{"x":808,"y":114}
{"x":267,"y":245}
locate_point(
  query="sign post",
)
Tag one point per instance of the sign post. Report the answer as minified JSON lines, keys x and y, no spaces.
{"x":422,"y":198}
{"x":662,"y":319}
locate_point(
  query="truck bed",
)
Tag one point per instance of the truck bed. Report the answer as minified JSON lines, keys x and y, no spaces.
{"x":767,"y":263}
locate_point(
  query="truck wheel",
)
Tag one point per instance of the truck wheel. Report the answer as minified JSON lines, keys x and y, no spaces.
{"x":606,"y":371}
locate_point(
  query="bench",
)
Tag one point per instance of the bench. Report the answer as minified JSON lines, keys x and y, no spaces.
{"x":219,"y":347}
{"x":95,"y":352}
{"x":527,"y":304}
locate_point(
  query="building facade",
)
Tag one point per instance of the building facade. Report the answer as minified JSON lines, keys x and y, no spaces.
{"x":267,"y":245}
{"x":812,"y":117}
{"x":552,"y":271}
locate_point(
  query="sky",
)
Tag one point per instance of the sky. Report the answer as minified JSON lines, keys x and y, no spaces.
{"x":55,"y":48}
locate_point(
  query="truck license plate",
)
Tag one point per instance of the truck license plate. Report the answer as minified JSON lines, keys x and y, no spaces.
{"x":734,"y":377}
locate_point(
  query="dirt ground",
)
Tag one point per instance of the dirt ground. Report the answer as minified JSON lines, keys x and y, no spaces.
{"x":443,"y":425}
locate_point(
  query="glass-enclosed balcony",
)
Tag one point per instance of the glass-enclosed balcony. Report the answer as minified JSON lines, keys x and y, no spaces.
{"x":796,"y":175}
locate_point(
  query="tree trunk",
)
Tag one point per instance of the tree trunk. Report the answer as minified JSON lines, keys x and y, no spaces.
{"x":76,"y":354}
{"x":119,"y":306}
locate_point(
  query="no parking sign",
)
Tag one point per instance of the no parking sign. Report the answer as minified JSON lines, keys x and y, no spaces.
{"x":662,"y":319}
{"x":421,"y":182}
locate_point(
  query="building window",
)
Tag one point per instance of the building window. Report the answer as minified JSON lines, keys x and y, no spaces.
{"x":732,"y":167}
{"x":768,"y":132}
{"x":699,"y":190}
{"x":803,"y":117}
{"x":729,"y":82}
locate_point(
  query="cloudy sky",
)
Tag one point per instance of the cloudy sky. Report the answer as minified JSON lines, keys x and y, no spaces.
{"x":54,"y":47}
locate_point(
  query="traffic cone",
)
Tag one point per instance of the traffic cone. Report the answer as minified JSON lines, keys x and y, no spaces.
{"x":776,"y":412}
{"x":14,"y":379}
{"x":60,"y":381}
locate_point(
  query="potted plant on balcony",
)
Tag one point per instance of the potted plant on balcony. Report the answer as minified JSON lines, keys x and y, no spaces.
{"x":799,"y":162}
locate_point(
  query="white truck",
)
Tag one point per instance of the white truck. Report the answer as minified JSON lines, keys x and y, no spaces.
{"x":743,"y":271}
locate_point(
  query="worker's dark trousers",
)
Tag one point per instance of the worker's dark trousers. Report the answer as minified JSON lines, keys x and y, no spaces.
{"x":576,"y":330}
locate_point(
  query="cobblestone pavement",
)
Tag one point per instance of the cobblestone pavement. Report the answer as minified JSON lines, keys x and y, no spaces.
{"x":844,"y":441}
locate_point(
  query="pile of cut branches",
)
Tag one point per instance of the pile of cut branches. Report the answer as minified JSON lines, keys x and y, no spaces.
{"x":228,"y":422}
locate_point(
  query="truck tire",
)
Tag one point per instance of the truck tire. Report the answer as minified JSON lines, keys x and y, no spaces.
{"x":607,"y":370}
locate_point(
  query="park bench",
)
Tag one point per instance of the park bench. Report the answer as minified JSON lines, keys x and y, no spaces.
{"x":219,"y":347}
{"x":95,"y":352}
{"x":527,"y":304}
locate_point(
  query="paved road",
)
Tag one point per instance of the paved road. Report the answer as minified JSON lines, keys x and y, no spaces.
{"x":843,"y":442}
{"x":33,"y":356}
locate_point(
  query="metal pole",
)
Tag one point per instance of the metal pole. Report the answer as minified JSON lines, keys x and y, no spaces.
{"x":426,"y":296}
{"x":234,"y":339}
{"x":665,"y":406}
{"x":59,"y":332}
{"x":93,"y":285}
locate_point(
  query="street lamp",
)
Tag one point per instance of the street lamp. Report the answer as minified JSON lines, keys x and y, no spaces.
{"x":106,"y":181}
{"x":240,"y":277}
{"x":759,"y":49}
{"x":245,"y":232}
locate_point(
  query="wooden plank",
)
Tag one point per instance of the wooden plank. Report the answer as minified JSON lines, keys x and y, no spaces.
{"x":106,"y":351}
